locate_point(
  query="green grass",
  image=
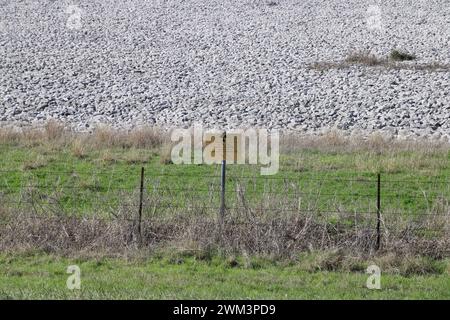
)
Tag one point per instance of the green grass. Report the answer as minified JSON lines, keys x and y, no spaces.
{"x":44,"y":277}
{"x":412,"y":182}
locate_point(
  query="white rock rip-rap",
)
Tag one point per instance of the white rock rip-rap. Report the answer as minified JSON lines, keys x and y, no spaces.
{"x":224,"y":63}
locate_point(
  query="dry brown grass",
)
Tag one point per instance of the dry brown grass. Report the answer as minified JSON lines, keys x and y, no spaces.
{"x":145,"y":138}
{"x":55,"y":135}
{"x":107,"y":157}
{"x":364,"y":58}
{"x":79,"y":148}
{"x":38,"y":162}
{"x":165,"y":155}
{"x":10,"y":136}
{"x":371,"y":60}
{"x":290,"y":237}
{"x":142,"y":138}
{"x":339,"y":141}
{"x":135,"y":156}
{"x":54,"y":130}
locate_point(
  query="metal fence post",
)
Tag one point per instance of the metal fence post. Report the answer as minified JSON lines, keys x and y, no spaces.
{"x":141,"y":197}
{"x":378,"y":212}
{"x":222,"y":190}
{"x":222,"y":179}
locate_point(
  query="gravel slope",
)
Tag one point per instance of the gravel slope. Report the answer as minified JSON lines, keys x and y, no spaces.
{"x":227,"y":63}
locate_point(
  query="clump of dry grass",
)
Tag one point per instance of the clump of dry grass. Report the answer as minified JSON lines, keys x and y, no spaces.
{"x":38,"y":162}
{"x":272,"y":3}
{"x":55,"y":135}
{"x":371,"y":60}
{"x":357,"y":58}
{"x":79,"y":148}
{"x":145,"y":138}
{"x":105,"y":137}
{"x":166,"y":154}
{"x":332,"y":260}
{"x":407,"y":264}
{"x":54,"y":130}
{"x":10,"y":136}
{"x":52,"y":134}
{"x":108,"y":157}
{"x":364,"y":58}
{"x":397,"y":55}
{"x":404,"y":264}
{"x":135,"y":156}
{"x":142,"y":138}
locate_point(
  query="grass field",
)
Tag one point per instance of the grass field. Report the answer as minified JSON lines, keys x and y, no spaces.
{"x":413,"y":181}
{"x":324,"y":183}
{"x":44,"y":277}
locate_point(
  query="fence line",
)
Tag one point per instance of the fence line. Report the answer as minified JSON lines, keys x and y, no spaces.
{"x":223,"y":194}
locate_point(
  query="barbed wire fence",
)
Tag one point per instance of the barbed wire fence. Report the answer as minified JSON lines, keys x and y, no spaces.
{"x":378,"y":204}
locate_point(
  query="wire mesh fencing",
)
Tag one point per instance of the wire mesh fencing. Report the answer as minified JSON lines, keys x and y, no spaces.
{"x":378,"y":207}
